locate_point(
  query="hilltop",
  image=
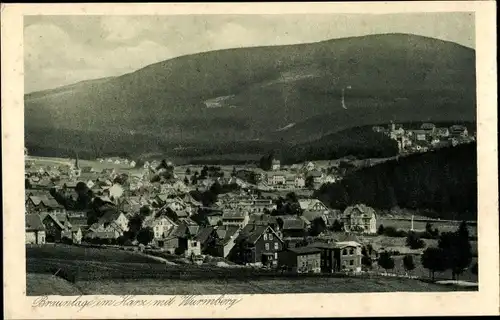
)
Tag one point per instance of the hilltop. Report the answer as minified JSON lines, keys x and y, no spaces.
{"x":267,"y":94}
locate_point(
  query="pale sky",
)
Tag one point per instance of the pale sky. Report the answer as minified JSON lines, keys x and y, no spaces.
{"x":61,"y":50}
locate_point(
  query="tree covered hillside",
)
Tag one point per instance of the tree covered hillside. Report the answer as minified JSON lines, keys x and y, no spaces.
{"x":443,"y":181}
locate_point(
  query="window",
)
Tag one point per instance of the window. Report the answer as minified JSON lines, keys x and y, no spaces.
{"x":195,"y":244}
{"x":351,"y":251}
{"x":275,"y":255}
{"x":276,"y":246}
{"x":270,"y":237}
{"x":344,"y":252}
{"x":265,"y":236}
{"x":267,"y":246}
{"x":351,"y":262}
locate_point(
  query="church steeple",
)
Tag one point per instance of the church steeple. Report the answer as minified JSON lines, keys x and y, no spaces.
{"x":76,"y":160}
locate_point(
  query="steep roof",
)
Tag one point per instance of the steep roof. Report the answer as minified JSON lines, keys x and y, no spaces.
{"x":362,"y":209}
{"x":33,"y":222}
{"x":204,"y":234}
{"x":252,"y":232}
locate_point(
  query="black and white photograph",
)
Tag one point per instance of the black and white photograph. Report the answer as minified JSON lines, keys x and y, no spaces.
{"x":250,"y":154}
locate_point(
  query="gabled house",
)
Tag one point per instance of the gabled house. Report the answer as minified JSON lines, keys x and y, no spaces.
{"x":45,"y":203}
{"x":257,"y":245}
{"x":161,"y":226}
{"x":55,"y":230}
{"x":223,"y":239}
{"x":34,"y":229}
{"x":314,"y":205}
{"x":188,"y":243}
{"x":360,"y":218}
{"x":112,"y":225}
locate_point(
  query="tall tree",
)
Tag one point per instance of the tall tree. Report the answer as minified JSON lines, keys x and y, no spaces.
{"x":145,"y":235}
{"x":386,"y":261}
{"x":457,"y":249}
{"x":413,"y":241}
{"x":408,"y":263}
{"x":434,"y":260}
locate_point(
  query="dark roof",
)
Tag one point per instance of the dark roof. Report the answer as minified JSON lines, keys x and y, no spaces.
{"x":204,"y":234}
{"x":322,"y":245}
{"x":312,"y":215}
{"x":33,"y":222}
{"x":304,"y":250}
{"x":252,"y":232}
{"x":225,"y":233}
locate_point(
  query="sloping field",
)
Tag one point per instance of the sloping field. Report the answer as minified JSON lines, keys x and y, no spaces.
{"x":71,"y":253}
{"x":46,"y":284}
{"x":311,"y":285}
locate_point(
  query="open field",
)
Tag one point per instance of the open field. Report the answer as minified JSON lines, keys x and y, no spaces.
{"x":44,"y":284}
{"x":443,"y":226}
{"x":50,"y":161}
{"x":74,"y":253}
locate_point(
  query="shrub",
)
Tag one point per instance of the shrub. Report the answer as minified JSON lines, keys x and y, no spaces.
{"x":413,"y":241}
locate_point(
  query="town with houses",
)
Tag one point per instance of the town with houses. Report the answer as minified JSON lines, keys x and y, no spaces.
{"x":242,"y":214}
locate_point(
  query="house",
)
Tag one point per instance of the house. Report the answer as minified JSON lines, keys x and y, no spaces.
{"x":339,"y":256}
{"x":429,"y":128}
{"x":276,"y":178}
{"x":317,"y":176}
{"x":348,"y":255}
{"x":442,"y":132}
{"x":188,"y":243}
{"x":54,"y":229}
{"x":235,"y":218}
{"x":223,"y":240}
{"x":300,"y":260}
{"x":458,"y":131}
{"x":292,"y":227}
{"x":275,"y":165}
{"x":161,"y":226}
{"x":204,"y":238}
{"x":419,"y":135}
{"x":34,"y":229}
{"x":259,"y":206}
{"x":43,"y":203}
{"x":313,"y":205}
{"x":112,"y":224}
{"x":309,"y":166}
{"x":212,"y":216}
{"x":360,"y":218}
{"x":257,"y":245}
{"x":78,"y":226}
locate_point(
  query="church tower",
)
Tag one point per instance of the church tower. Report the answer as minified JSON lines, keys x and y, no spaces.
{"x":75,"y":171}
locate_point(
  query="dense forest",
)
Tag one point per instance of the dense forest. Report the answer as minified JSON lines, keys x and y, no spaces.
{"x":442,"y":181}
{"x":360,"y":142}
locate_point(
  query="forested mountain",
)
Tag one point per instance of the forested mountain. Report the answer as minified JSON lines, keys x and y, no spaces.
{"x":443,"y":181}
{"x":289,"y":93}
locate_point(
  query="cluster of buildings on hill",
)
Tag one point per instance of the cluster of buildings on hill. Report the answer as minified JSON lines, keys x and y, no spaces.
{"x":239,"y":226}
{"x":427,"y":137}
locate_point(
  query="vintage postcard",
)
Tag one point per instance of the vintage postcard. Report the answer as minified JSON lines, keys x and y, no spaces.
{"x":250,"y":160}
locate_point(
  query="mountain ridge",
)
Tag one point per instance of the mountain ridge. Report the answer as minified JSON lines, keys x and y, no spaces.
{"x":249,"y":93}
